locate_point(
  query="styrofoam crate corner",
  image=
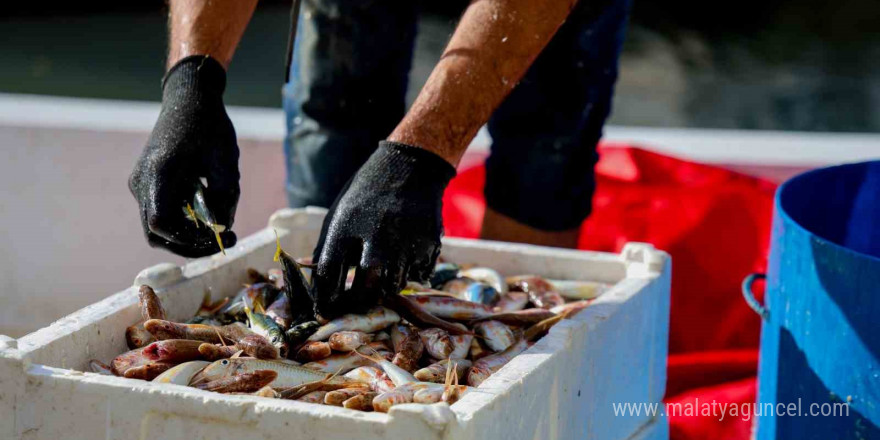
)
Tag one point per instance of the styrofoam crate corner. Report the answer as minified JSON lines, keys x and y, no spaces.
{"x":563,"y":387}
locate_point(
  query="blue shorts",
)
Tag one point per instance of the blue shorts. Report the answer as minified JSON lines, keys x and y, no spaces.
{"x":347,"y":90}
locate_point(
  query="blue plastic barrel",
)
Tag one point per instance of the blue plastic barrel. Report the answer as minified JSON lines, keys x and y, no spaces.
{"x":820,"y":339}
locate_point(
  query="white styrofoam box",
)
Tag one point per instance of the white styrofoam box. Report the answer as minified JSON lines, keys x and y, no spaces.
{"x":562,"y":387}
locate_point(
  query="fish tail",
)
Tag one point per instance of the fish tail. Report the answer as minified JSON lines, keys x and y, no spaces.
{"x":191,"y":214}
{"x":247,"y":310}
{"x":259,"y":307}
{"x":278,"y":249}
{"x":219,"y":242}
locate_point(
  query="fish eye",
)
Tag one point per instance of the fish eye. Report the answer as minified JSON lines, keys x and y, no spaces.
{"x":224,"y":362}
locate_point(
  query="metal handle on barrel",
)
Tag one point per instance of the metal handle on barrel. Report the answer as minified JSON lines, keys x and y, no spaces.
{"x":750,"y":297}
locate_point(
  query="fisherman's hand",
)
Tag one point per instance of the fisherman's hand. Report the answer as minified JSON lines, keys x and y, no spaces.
{"x":387,"y":223}
{"x":192,"y":139}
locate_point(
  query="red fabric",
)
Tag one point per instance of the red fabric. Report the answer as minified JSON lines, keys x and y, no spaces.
{"x":711,"y":425}
{"x":716,"y":225}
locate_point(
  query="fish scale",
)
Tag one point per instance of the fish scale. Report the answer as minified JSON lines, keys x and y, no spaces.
{"x":288,"y":375}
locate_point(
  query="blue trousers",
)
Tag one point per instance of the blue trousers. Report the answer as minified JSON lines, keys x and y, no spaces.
{"x":348,"y":84}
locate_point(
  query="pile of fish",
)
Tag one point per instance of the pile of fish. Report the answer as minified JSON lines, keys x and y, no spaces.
{"x":432,"y":343}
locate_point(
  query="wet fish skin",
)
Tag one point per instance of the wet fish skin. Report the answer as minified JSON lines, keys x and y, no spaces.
{"x":519,"y":317}
{"x":461,"y":344}
{"x":454,"y":393}
{"x":279,"y":311}
{"x":296,"y":288}
{"x":495,"y":334}
{"x":162,"y":330}
{"x":269,"y":329}
{"x":436,"y":372}
{"x":410,"y":349}
{"x":313,"y":397}
{"x":260,"y":293}
{"x":301,"y":332}
{"x":96,"y":366}
{"x":129,"y":359}
{"x":402,"y":394}
{"x":416,"y":314}
{"x":213,"y":352}
{"x":182,"y":373}
{"x":149,"y":303}
{"x":428,"y":395}
{"x":572,"y":308}
{"x":541,"y":292}
{"x":341,"y":363}
{"x":480,"y":293}
{"x":511,"y":302}
{"x":377,"y":318}
{"x":373,"y":376}
{"x":361,"y":402}
{"x":313,"y":351}
{"x":443,"y":272}
{"x":199,"y":212}
{"x":173,"y":350}
{"x":487,"y":276}
{"x":335,"y":398}
{"x":457,"y":286}
{"x":348,"y":340}
{"x":452,"y":308}
{"x":437,"y":342}
{"x":540,"y":329}
{"x":240,"y":383}
{"x":257,"y":346}
{"x":147,"y":371}
{"x":477,"y":350}
{"x":288,"y":375}
{"x":384,"y":401}
{"x":485,"y":367}
{"x":136,"y":336}
{"x":579,"y":289}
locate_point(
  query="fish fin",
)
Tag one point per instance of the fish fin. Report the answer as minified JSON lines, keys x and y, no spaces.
{"x":215,"y":307}
{"x":191,"y":214}
{"x":247,"y":310}
{"x":333,"y":375}
{"x":205,"y":306}
{"x":219,"y":241}
{"x":259,"y":307}
{"x":278,"y":249}
{"x":219,"y":336}
{"x":237,"y":354}
{"x":206,"y":299}
{"x":447,"y":381}
{"x":376,"y":357}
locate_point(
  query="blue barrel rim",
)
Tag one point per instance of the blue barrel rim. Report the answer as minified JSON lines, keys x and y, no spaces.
{"x":777,"y":202}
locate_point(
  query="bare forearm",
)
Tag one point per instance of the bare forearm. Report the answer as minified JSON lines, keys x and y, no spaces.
{"x":493,"y":46}
{"x":207,"y":27}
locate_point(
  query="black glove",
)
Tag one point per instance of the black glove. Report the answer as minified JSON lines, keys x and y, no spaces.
{"x":193,"y":138}
{"x":387,"y":223}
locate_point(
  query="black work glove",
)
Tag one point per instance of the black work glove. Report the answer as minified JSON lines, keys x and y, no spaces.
{"x":387,"y":223}
{"x":192,"y":139}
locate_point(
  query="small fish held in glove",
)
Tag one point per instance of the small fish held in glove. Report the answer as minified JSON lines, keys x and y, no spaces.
{"x":198,"y":212}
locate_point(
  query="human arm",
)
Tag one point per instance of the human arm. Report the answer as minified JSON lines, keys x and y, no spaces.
{"x":495,"y":43}
{"x":193,"y":137}
{"x":202,"y":27}
{"x":387,"y":222}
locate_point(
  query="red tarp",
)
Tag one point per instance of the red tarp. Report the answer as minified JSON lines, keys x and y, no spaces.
{"x":716,"y":225}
